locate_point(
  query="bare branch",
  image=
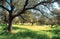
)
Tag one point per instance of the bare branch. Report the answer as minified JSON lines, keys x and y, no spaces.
{"x":7,"y":2}
{"x":34,"y":7}
{"x":11,"y":5}
{"x":23,"y":18}
{"x":4,"y":8}
{"x":26,"y":3}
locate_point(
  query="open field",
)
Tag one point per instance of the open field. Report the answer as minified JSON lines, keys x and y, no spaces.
{"x":30,"y":32}
{"x":34,"y":27}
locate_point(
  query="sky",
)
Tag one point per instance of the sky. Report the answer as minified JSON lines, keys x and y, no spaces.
{"x":8,"y":5}
{"x":56,"y":6}
{"x":8,"y":0}
{"x":46,"y":11}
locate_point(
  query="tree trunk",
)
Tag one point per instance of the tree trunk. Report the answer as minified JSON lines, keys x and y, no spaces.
{"x":10,"y":25}
{"x":32,"y":23}
{"x":10,"y":22}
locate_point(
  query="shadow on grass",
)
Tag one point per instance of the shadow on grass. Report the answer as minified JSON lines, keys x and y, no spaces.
{"x":28,"y":34}
{"x":18,"y":28}
{"x":55,"y":32}
{"x":56,"y":37}
{"x":32,"y":35}
{"x":24,"y":35}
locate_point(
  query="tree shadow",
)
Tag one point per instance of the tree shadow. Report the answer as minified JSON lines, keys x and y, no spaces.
{"x":56,"y":37}
{"x":28,"y":34}
{"x":16,"y":28}
{"x":55,"y":32}
{"x":32,"y":35}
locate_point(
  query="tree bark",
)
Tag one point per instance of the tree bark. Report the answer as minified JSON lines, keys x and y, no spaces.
{"x":10,"y":22}
{"x":10,"y":25}
{"x":32,"y":23}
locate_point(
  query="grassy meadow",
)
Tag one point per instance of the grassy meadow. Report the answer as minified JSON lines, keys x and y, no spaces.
{"x":30,"y":32}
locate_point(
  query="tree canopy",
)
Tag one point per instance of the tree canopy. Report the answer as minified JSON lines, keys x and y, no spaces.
{"x":15,"y":8}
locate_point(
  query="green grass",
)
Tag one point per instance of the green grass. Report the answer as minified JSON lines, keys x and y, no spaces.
{"x":30,"y":32}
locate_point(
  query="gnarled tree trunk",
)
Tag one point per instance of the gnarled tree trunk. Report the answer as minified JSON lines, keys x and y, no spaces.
{"x":10,"y":25}
{"x":10,"y":22}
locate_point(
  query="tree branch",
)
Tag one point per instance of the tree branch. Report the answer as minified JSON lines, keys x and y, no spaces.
{"x":42,"y":3}
{"x":34,"y":7}
{"x":7,"y":2}
{"x":4,"y":8}
{"x":26,"y":3}
{"x":23,"y":18}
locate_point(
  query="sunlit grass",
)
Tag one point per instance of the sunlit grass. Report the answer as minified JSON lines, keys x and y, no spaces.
{"x":34,"y":27}
{"x":41,"y":29}
{"x":30,"y":32}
